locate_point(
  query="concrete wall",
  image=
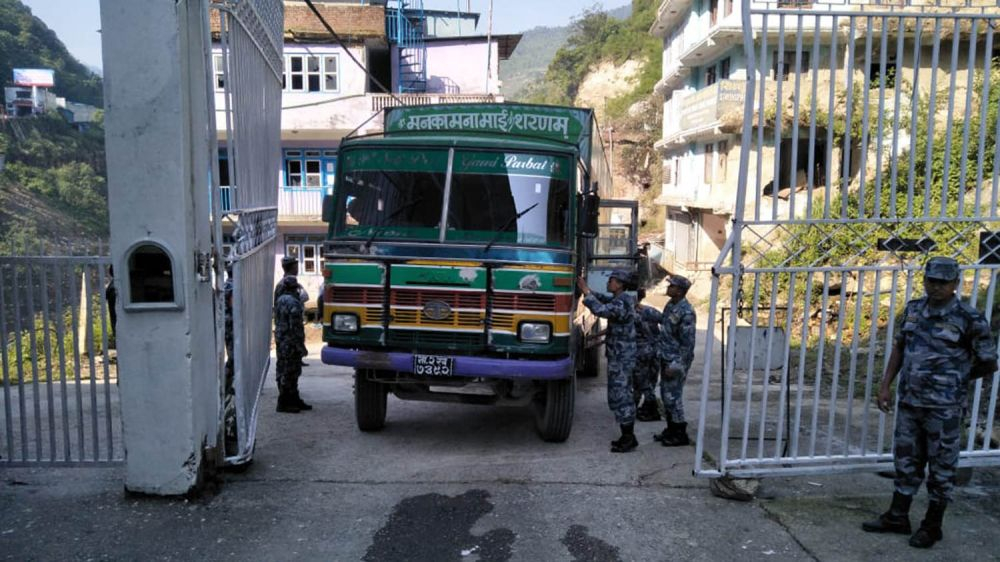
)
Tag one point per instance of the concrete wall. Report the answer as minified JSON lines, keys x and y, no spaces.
{"x":458,"y":67}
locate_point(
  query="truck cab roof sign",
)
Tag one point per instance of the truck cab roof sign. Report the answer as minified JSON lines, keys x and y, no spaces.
{"x":561,"y":124}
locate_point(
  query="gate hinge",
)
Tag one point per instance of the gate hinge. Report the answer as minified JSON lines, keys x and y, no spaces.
{"x":203,"y":265}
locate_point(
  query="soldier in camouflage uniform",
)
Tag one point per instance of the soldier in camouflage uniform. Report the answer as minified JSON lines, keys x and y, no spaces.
{"x":290,"y":283}
{"x":941,"y":344}
{"x":290,"y":344}
{"x":677,"y":338}
{"x":619,"y":345}
{"x":290,"y":265}
{"x":647,"y":366}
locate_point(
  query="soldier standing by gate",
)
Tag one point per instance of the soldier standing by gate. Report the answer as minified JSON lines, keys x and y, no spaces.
{"x":941,"y":345}
{"x":619,"y":309}
{"x":677,"y":336}
{"x":289,"y":337}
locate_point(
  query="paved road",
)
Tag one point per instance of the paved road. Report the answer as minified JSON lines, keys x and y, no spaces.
{"x":453,"y":482}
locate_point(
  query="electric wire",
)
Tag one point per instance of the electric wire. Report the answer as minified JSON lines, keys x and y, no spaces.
{"x":340,"y":42}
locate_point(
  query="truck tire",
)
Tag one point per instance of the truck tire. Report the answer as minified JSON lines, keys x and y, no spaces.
{"x":554,"y":410}
{"x":369,"y":402}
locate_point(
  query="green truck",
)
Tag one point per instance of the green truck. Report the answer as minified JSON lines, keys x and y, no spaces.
{"x":455,"y":240}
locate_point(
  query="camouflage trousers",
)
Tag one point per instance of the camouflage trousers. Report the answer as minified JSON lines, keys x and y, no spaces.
{"x":620,"y":398}
{"x":229,"y":403}
{"x":931,"y":438}
{"x":672,"y":393}
{"x":288,"y":370}
{"x":647,"y":370}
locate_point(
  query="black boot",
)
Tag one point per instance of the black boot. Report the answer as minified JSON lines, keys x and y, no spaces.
{"x":287,"y":404}
{"x":301,"y":403}
{"x":896,"y":520}
{"x":650,"y":411}
{"x":675,"y":435}
{"x":930,"y":528}
{"x":627,"y":442}
{"x":666,"y":430}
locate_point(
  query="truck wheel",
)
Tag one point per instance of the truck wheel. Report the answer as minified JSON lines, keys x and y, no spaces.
{"x":554,"y":410}
{"x":369,"y":402}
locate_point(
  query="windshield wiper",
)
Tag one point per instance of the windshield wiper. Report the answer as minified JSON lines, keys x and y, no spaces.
{"x":378,"y":229}
{"x":506,"y":225}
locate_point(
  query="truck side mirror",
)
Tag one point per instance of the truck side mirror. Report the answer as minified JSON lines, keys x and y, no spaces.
{"x":328,"y":210}
{"x":590,"y":209}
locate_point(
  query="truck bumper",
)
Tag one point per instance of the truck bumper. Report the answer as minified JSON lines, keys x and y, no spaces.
{"x":465,"y":366}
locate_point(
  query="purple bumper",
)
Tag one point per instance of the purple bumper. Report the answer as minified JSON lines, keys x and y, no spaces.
{"x":465,"y":366}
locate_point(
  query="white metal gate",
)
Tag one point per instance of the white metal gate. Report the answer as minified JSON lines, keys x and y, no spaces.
{"x":59,"y":378}
{"x":869,"y":143}
{"x":250,"y":39}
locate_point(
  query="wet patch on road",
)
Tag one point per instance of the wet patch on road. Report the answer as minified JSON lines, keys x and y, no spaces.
{"x":585,"y":548}
{"x":438,"y":527}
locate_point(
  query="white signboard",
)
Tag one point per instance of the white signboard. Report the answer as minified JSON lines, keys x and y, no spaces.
{"x":40,"y":77}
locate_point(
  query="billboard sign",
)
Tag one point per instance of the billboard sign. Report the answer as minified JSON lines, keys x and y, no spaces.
{"x":40,"y":77}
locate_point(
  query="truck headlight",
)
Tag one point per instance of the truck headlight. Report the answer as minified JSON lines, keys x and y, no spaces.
{"x":345,"y":323}
{"x":535,"y":332}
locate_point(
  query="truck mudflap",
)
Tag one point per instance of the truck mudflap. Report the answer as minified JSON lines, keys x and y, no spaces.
{"x":462,"y":365}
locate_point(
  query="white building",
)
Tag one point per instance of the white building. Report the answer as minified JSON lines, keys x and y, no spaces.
{"x":29,"y":92}
{"x":328,"y":96}
{"x":703,"y":88}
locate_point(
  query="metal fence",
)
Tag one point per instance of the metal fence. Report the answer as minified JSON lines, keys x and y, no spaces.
{"x":251,"y":44}
{"x":59,"y":374}
{"x":869,"y":143}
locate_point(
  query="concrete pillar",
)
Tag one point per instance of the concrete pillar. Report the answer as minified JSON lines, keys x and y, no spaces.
{"x":158,"y":132}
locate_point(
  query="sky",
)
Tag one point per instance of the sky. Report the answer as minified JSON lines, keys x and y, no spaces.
{"x":77,"y":22}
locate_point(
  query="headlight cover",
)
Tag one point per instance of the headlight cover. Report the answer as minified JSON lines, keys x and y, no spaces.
{"x":345,"y":323}
{"x":535,"y":332}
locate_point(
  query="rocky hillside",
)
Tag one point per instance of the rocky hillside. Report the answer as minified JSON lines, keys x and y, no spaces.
{"x":612,"y":65}
{"x":531,"y":59}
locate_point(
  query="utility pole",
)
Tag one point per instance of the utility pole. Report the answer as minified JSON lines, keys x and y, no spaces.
{"x":489,"y":49}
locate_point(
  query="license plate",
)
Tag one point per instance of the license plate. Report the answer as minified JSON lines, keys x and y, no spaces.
{"x":433,"y":365}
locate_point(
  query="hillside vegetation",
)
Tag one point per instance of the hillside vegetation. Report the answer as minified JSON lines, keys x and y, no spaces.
{"x":597,"y":37}
{"x":26,"y":42}
{"x":52,"y":188}
{"x":617,"y":60}
{"x":527,"y":66}
{"x":530,"y":61}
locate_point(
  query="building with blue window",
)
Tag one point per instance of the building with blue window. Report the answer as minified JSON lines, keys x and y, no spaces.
{"x":421,"y":56}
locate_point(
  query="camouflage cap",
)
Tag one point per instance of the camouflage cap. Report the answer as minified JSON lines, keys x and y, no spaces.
{"x":680,"y":281}
{"x":622,"y":275}
{"x":941,"y":268}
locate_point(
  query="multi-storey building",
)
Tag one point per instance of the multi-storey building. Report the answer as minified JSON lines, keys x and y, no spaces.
{"x":28,"y":93}
{"x":704,"y":84}
{"x":422,"y":56}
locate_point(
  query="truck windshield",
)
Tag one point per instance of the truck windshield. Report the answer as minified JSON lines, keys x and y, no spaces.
{"x":391,"y":193}
{"x":399,"y":193}
{"x":509,"y":197}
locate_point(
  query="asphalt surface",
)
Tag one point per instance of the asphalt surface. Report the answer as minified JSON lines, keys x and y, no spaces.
{"x":453,"y":482}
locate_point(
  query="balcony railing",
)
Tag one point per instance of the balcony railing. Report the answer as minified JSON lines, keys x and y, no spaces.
{"x":292,"y":201}
{"x":382,"y":101}
{"x":227,"y":199}
{"x":300,"y":201}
